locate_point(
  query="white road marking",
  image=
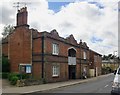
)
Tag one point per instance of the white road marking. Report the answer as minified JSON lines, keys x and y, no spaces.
{"x":106,"y":86}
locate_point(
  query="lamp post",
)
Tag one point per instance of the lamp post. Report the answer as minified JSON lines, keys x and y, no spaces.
{"x":114,"y":58}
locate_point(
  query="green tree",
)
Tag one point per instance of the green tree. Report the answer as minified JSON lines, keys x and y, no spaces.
{"x":105,"y":57}
{"x":108,"y":57}
{"x":7,"y":30}
{"x":5,"y":64}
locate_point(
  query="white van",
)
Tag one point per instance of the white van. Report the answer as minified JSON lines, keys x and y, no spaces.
{"x":116,"y":83}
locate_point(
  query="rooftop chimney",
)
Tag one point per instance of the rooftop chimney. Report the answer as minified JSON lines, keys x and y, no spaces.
{"x":80,"y":41}
{"x":22,"y":17}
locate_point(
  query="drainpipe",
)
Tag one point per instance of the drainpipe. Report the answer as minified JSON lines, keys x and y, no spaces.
{"x":81,"y":58}
{"x":80,"y":62}
{"x":31,"y":53}
{"x":42,"y":56}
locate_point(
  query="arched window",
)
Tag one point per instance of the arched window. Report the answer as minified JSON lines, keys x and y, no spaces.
{"x":71,"y":52}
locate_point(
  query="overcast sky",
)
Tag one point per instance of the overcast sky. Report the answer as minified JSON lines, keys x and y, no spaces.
{"x":93,"y":21}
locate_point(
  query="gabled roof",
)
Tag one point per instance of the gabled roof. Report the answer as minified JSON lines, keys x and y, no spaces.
{"x":95,"y":52}
{"x":71,"y":40}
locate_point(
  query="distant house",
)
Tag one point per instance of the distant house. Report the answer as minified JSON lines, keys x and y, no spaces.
{"x":46,"y":54}
{"x":113,"y":64}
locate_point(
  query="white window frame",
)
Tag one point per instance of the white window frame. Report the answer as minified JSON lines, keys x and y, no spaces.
{"x":55,"y":49}
{"x":55,"y":70}
{"x":26,"y":68}
{"x":95,"y":58}
{"x":84,"y":55}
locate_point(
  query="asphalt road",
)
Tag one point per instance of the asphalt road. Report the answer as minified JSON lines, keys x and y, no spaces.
{"x":101,"y":85}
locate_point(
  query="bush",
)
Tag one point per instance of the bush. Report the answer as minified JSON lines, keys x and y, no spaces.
{"x":24,"y":76}
{"x":5,"y":75}
{"x":106,"y":70}
{"x":0,"y":75}
{"x":11,"y":75}
{"x":14,"y":80}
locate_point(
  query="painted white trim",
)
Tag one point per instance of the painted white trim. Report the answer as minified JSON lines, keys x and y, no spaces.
{"x":72,"y":48}
{"x":55,"y":75}
{"x":71,"y":60}
{"x":24,"y":64}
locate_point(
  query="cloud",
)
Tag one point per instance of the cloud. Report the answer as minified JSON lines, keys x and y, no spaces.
{"x":82,"y":19}
{"x":6,"y":15}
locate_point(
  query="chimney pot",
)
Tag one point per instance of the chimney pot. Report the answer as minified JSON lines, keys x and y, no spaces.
{"x":22,"y":16}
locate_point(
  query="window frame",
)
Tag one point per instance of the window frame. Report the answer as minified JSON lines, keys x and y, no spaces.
{"x":55,"y":49}
{"x":55,"y":71}
{"x":95,"y":58}
{"x":25,"y":68}
{"x":84,"y":55}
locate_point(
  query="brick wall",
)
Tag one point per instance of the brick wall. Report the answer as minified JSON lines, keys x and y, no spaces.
{"x":36,"y":69}
{"x":63,"y":72}
{"x":96,"y":62}
{"x":63,"y":47}
{"x":5,"y":46}
{"x":59,"y":59}
{"x":5,"y":49}
{"x":20,"y":48}
{"x":37,"y":58}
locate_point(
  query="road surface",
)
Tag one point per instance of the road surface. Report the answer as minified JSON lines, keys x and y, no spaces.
{"x":101,"y":85}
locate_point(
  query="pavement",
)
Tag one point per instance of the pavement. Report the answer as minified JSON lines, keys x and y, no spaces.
{"x":48,"y":86}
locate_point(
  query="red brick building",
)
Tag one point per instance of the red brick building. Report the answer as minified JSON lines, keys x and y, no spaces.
{"x":46,"y":54}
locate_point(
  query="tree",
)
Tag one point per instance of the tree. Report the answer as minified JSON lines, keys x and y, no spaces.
{"x":5,"y":64}
{"x":105,"y":57}
{"x":7,"y":30}
{"x":108,"y":57}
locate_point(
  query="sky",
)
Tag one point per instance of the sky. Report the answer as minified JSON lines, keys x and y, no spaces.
{"x":93,"y":21}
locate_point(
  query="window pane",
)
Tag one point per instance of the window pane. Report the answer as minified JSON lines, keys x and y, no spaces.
{"x":55,"y":49}
{"x":84,"y":55}
{"x":55,"y":70}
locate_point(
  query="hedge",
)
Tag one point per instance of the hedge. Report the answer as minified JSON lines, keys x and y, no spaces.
{"x":14,"y":80}
{"x":13,"y":77}
{"x":4,"y":75}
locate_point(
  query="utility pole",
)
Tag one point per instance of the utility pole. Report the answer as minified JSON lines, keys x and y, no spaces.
{"x":114,"y":59}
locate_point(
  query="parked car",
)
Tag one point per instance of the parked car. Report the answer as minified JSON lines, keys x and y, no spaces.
{"x":116,"y":83}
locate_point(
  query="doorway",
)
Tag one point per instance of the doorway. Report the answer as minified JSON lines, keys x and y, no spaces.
{"x":72,"y":63}
{"x":72,"y":71}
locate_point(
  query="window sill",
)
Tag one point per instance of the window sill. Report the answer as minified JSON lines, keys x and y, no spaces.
{"x":55,"y":76}
{"x":54,"y":54}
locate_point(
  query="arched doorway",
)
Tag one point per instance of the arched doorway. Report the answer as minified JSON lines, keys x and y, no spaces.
{"x":72,"y":63}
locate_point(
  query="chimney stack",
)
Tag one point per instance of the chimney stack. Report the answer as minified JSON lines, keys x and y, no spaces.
{"x":80,"y":41}
{"x":22,"y":17}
